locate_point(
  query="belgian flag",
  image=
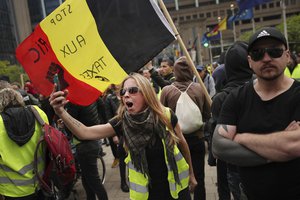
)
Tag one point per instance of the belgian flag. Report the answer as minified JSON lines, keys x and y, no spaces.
{"x":91,"y":44}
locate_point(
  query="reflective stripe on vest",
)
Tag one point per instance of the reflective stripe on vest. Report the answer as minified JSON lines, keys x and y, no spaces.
{"x":5,"y":180}
{"x":138,"y":182}
{"x":183,"y":173}
{"x":23,"y":170}
{"x":136,"y":187}
{"x":16,"y":162}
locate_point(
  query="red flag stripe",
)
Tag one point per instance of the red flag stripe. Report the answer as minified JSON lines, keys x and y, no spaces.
{"x":41,"y":55}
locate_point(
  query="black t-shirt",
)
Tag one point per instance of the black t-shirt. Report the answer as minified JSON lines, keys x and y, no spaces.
{"x":245,"y":109}
{"x":158,"y":172}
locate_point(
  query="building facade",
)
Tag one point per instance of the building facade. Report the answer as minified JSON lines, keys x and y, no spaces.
{"x":17,"y":20}
{"x":195,"y":17}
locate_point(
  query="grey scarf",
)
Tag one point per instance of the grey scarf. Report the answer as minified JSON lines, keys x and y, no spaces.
{"x":139,"y":131}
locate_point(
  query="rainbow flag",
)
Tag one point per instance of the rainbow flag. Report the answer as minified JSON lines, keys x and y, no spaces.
{"x":91,"y":44}
{"x":221,"y":26}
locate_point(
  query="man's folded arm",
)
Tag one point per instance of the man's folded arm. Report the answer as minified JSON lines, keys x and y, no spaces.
{"x":226,"y":149}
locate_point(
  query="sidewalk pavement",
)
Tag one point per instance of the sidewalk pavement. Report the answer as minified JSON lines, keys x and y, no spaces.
{"x":112,"y":182}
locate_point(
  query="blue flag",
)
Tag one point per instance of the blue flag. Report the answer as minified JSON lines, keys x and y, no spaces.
{"x":209,"y":36}
{"x":245,"y":4}
{"x":241,"y":15}
{"x":244,"y":15}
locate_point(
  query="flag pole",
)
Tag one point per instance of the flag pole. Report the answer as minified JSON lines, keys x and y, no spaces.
{"x":199,"y":50}
{"x":189,"y":59}
{"x":210,"y":52}
{"x":221,"y":37}
{"x":253,"y":23}
{"x":176,"y":5}
{"x":233,"y":22}
{"x":284,"y":21}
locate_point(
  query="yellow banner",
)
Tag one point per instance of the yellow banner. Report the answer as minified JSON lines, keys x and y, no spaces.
{"x":75,"y":40}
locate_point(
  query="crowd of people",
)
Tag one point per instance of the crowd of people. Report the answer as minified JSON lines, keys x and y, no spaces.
{"x":252,"y":128}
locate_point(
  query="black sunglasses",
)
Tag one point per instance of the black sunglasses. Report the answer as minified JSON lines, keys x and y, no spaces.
{"x":258,"y":54}
{"x":131,"y":90}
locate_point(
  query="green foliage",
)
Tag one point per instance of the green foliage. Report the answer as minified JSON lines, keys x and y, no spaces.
{"x":293,"y":28}
{"x":12,"y":71}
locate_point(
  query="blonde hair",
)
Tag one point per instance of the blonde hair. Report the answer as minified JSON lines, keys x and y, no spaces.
{"x":10,"y":98}
{"x":151,"y":100}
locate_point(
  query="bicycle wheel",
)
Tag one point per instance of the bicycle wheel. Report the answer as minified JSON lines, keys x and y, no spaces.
{"x":101,"y":168}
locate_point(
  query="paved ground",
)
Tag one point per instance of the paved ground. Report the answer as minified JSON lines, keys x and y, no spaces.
{"x":112,"y":183}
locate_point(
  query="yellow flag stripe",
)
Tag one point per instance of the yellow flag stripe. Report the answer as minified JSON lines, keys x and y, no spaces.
{"x":73,"y":34}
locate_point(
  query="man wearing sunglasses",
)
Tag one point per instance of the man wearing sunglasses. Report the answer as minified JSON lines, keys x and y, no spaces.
{"x":258,"y":128}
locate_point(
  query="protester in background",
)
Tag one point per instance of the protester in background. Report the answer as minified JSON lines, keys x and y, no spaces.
{"x":28,"y":98}
{"x":102,"y":119}
{"x":166,"y":76}
{"x":219,"y":74}
{"x":19,"y":135}
{"x":147,"y":74}
{"x":29,"y":88}
{"x":293,"y":68}
{"x":87,"y":151}
{"x":263,"y":116}
{"x":169,"y":97}
{"x":238,"y":72}
{"x":112,"y":103}
{"x":207,"y":80}
{"x":155,"y":163}
{"x":45,"y":106}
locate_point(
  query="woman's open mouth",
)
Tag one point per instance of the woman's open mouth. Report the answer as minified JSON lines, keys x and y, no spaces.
{"x":129,"y":104}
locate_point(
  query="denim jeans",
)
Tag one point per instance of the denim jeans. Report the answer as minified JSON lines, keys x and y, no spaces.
{"x":197,"y":150}
{"x":89,"y":172}
{"x":222,"y":181}
{"x":234,"y":181}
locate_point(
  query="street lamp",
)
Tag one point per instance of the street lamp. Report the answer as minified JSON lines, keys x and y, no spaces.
{"x":233,"y":23}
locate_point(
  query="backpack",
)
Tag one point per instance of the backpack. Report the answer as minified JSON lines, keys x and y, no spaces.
{"x":188,"y":113}
{"x":60,"y":163}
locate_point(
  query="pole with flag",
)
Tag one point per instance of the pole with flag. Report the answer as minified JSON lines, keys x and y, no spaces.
{"x":189,"y":59}
{"x":220,"y":27}
{"x":242,"y":15}
{"x":233,"y":23}
{"x":249,"y":4}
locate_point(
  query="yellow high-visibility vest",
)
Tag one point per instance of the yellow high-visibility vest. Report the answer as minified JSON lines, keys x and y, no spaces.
{"x":17,"y":178}
{"x":296,"y":73}
{"x":138,"y":182}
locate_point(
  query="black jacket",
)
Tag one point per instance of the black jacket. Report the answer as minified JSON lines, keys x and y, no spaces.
{"x":88,"y":115}
{"x":160,"y":80}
